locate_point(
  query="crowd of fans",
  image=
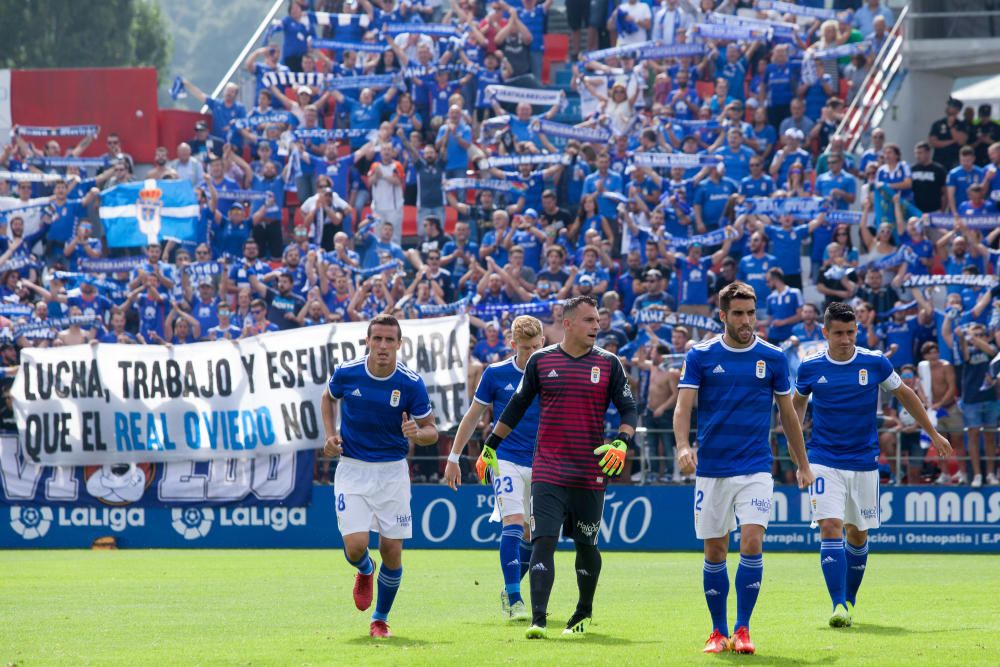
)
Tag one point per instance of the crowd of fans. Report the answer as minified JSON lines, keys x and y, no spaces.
{"x":303,"y":199}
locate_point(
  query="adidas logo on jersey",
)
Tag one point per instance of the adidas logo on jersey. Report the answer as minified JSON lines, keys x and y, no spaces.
{"x":828,"y":559}
{"x":755,"y":586}
{"x":553,"y":374}
{"x":719,"y":369}
{"x":509,"y":387}
{"x":356,"y":392}
{"x":821,"y":380}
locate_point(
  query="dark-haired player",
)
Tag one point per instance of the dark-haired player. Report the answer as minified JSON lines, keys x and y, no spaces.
{"x":574,"y":382}
{"x":383,"y":404}
{"x":844,"y":381}
{"x":734,"y":378}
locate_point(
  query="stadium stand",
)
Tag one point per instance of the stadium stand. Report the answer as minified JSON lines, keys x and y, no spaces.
{"x":475,"y":157}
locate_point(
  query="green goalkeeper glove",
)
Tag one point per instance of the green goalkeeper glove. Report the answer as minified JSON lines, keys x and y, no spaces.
{"x":487,"y":464}
{"x":613,"y":461}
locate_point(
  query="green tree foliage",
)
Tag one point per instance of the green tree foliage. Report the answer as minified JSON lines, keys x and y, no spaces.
{"x":75,"y":33}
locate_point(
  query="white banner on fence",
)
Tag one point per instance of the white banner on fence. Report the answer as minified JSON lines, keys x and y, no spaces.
{"x":84,"y":405}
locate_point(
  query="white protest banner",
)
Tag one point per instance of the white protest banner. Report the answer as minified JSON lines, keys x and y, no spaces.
{"x":84,"y":405}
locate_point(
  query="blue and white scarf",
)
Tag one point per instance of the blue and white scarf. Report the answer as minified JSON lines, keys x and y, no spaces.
{"x":732,"y":33}
{"x":364,"y":47}
{"x":665,"y":160}
{"x":29,"y":177}
{"x":18,"y":263}
{"x":177,"y":90}
{"x":242,"y":195}
{"x":708,"y":240}
{"x":337,"y":133}
{"x":982,"y":222}
{"x":536,"y":96}
{"x":110,"y":265}
{"x":514,"y":160}
{"x":435,"y":309}
{"x":316,"y":79}
{"x":657,"y":316}
{"x":798,"y":10}
{"x":781,"y":28}
{"x":15,"y":310}
{"x":801,"y":207}
{"x":54,"y":323}
{"x":57,"y":130}
{"x":453,"y":184}
{"x":343,"y":20}
{"x":647,"y":51}
{"x":11,"y":212}
{"x":391,"y":264}
{"x":843,"y":217}
{"x":203,"y":269}
{"x":961,"y":279}
{"x":362,"y":81}
{"x":594,"y":135}
{"x":529,"y":308}
{"x":61,"y":162}
{"x":438,"y":30}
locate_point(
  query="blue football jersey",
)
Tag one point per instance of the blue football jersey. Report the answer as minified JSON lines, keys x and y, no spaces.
{"x":735,"y":390}
{"x":845,"y":400}
{"x":371,"y":409}
{"x":498,"y":384}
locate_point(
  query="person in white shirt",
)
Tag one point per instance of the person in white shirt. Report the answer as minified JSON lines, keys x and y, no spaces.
{"x":667,"y":20}
{"x":634,"y":13}
{"x":186,"y":168}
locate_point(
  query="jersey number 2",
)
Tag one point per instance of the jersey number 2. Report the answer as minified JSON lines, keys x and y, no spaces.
{"x":698,"y":497}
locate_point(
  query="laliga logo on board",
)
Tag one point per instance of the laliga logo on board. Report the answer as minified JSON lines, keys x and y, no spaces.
{"x":148,"y":210}
{"x":30,"y":522}
{"x":192,"y":523}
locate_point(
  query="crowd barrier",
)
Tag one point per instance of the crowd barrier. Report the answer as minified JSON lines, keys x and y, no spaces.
{"x":915,"y":519}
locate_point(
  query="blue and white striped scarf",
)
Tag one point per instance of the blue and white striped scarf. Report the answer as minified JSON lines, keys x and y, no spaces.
{"x":960,"y":279}
{"x":798,"y":206}
{"x":798,"y":10}
{"x":434,"y":29}
{"x":453,"y":184}
{"x":981,"y":222}
{"x":535,"y":96}
{"x":110,"y":265}
{"x":657,"y":316}
{"x":732,"y":33}
{"x":57,"y":130}
{"x":336,"y":45}
{"x":29,"y":177}
{"x":708,"y":240}
{"x":665,"y":160}
{"x":595,"y":135}
{"x":62,"y":162}
{"x":513,"y":160}
{"x":242,"y":195}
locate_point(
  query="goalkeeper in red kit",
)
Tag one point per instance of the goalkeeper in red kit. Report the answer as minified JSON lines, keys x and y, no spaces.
{"x":574,"y":382}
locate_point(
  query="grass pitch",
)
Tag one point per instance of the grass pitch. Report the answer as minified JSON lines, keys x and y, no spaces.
{"x":279,"y":607}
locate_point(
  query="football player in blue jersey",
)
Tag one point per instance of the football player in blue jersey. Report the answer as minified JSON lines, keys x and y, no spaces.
{"x":513,"y":485}
{"x":383,"y":405}
{"x":734,"y":378}
{"x":844,"y":382}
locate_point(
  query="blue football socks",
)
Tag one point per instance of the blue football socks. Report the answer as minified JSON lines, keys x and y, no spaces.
{"x":834,"y":564}
{"x":748,"y":580}
{"x":388,"y":585}
{"x":510,"y":560}
{"x":716,"y":581}
{"x":857,"y":561}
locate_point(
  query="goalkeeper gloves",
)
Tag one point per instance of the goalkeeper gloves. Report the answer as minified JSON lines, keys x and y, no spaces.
{"x":613,"y":461}
{"x":486,"y":464}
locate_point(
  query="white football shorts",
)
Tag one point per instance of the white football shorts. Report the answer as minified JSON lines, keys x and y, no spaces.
{"x":720,"y":501}
{"x":849,"y":495}
{"x":373,"y":496}
{"x":512,"y":490}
